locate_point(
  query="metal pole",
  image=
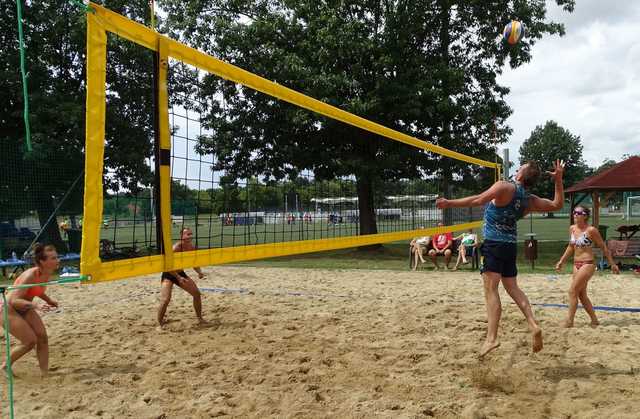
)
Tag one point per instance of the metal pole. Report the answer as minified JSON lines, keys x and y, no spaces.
{"x":505,"y":163}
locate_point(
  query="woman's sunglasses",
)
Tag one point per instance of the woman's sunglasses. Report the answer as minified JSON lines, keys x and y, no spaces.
{"x":579,"y":213}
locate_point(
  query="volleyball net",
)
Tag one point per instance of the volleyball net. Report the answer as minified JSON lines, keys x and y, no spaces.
{"x":253,"y":168}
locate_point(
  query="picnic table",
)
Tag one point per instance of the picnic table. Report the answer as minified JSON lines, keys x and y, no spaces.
{"x":20,"y":264}
{"x":10,"y":263}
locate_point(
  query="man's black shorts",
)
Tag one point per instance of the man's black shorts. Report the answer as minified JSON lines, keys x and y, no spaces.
{"x":499,"y":257}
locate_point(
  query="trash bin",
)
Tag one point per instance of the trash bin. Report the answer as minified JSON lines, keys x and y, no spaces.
{"x":531,"y":249}
{"x":75,"y":240}
{"x":602,"y":229}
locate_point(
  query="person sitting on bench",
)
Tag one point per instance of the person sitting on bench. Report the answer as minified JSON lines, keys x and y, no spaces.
{"x":441,"y":244}
{"x":419,"y":246}
{"x":467,"y":240}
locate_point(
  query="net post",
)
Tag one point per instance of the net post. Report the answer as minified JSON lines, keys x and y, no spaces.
{"x":156,"y":152}
{"x":7,"y":340}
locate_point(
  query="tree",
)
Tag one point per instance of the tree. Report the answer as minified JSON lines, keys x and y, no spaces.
{"x":548,"y":143}
{"x":426,"y":68}
{"x":607,"y":163}
{"x":55,"y":39}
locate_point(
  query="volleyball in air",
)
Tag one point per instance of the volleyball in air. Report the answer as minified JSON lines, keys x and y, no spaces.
{"x":513,"y":32}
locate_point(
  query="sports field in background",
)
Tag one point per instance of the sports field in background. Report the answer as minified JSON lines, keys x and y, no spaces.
{"x":552,"y":234}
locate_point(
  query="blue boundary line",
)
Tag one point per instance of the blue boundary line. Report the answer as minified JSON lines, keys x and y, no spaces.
{"x":599,"y":308}
{"x":303,"y":294}
{"x":289,"y":293}
{"x":223,"y":290}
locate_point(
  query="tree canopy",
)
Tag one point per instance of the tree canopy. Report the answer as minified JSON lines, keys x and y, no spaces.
{"x":548,"y":143}
{"x":55,"y":39}
{"x":426,"y":68}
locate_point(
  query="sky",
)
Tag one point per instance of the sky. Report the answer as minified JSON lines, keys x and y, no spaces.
{"x":588,"y":80}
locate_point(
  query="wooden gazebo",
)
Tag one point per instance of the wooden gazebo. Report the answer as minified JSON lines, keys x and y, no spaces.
{"x":623,"y":177}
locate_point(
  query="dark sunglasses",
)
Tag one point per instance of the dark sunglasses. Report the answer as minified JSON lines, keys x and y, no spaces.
{"x":579,"y":213}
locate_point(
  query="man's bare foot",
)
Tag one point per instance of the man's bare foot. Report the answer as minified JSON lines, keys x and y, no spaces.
{"x":567,"y":324}
{"x":594,"y":324}
{"x":44,"y":374}
{"x":202,"y":322}
{"x":488,"y":347}
{"x":536,"y":336}
{"x":455,"y":268}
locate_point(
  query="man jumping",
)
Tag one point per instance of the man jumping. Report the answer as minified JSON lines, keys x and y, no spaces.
{"x":506,"y":203}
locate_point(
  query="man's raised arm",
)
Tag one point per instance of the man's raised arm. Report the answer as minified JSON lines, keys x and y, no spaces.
{"x":496,"y":191}
{"x":537,"y":204}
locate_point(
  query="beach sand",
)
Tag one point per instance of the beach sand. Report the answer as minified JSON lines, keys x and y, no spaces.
{"x":337,"y":343}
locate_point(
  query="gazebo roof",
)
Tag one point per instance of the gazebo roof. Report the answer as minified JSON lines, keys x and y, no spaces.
{"x":624,"y":176}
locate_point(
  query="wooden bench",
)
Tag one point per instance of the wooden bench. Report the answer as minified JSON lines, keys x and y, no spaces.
{"x":623,"y":249}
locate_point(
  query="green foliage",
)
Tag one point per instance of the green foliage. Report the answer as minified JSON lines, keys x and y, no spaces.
{"x":426,"y":68}
{"x":128,"y":206}
{"x":551,"y":142}
{"x":607,"y":163}
{"x":55,"y":40}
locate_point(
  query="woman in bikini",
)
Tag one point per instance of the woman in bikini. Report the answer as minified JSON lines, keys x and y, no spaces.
{"x":583,"y":237}
{"x":181,"y":279}
{"x":24,"y":321}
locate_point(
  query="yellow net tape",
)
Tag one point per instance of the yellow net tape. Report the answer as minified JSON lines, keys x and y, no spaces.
{"x":103,"y":21}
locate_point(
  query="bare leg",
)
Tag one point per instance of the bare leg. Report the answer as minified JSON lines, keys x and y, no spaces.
{"x":494,"y":311}
{"x":22,"y":331}
{"x":416,"y":258}
{"x":417,"y":255}
{"x":458,"y":260}
{"x":462,"y":252}
{"x":573,"y":300}
{"x":42,"y":340}
{"x":578,"y":286}
{"x":447,"y":258}
{"x":189,"y":286}
{"x":434,"y":258}
{"x":520,"y":298}
{"x":166,"y":287}
{"x":588,"y":307}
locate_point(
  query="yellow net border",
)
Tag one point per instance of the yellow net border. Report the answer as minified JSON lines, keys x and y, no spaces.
{"x":103,"y":21}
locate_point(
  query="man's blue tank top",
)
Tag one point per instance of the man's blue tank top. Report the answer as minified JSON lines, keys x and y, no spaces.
{"x":500,"y":223}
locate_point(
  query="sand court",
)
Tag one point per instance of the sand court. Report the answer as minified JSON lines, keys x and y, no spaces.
{"x":335,"y":343}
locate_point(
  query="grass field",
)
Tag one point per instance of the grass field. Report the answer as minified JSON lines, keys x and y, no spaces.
{"x":552,"y":234}
{"x":213,"y":235}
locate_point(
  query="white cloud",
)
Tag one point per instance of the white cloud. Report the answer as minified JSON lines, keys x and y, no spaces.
{"x":588,"y":81}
